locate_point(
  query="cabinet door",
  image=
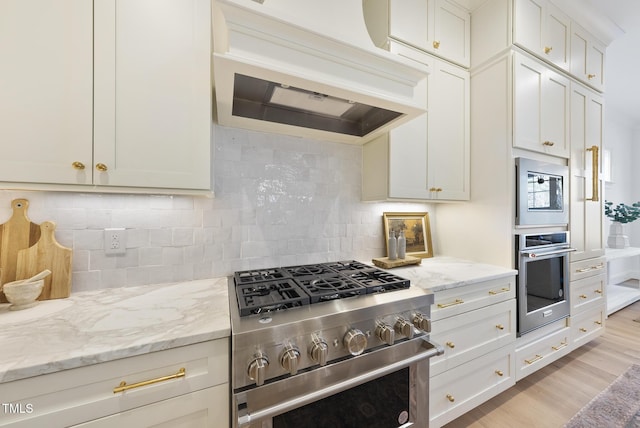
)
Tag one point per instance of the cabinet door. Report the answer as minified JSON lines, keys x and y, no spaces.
{"x":152,"y":93}
{"x":452,"y":33}
{"x":448,"y":133}
{"x":412,"y":21}
{"x":541,"y":108}
{"x":557,"y":37}
{"x":408,"y":160}
{"x":587,"y":58}
{"x":529,"y":24}
{"x":587,"y":120}
{"x":46,"y":90}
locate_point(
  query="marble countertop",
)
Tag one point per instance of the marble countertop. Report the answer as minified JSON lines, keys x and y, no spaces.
{"x":444,"y":273}
{"x":97,"y":326}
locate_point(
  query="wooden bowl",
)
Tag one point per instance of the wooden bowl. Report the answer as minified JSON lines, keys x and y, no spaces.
{"x":23,"y":295}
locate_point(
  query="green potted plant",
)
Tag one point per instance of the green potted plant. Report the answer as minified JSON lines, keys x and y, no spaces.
{"x":620,"y":215}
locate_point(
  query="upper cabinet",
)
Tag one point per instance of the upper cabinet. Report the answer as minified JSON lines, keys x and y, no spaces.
{"x":587,"y":58}
{"x":428,"y":157}
{"x":114,"y":94}
{"x":542,"y":29}
{"x":440,"y":27}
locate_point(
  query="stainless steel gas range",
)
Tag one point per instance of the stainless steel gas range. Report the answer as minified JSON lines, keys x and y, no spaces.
{"x":339,"y":344}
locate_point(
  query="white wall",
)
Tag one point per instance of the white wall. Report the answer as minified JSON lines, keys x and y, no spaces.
{"x":279,"y":201}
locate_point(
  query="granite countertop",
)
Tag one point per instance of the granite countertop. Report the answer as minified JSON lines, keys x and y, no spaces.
{"x":444,"y":273}
{"x":97,"y":326}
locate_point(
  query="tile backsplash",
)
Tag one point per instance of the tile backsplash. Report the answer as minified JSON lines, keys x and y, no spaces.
{"x":278,"y":201}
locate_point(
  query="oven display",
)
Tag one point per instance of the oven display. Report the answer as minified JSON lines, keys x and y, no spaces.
{"x":380,"y":403}
{"x":544,"y":192}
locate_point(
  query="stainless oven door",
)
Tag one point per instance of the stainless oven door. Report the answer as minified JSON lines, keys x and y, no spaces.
{"x":388,"y":387}
{"x":543,"y":287}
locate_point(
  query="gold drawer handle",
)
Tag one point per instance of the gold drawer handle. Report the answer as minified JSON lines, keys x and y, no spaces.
{"x":500,"y":327}
{"x":436,"y":44}
{"x":583,"y":296}
{"x":124,"y":387}
{"x":451,"y":345}
{"x":500,"y":373}
{"x":78,"y":165}
{"x":583,"y":270}
{"x":548,"y":49}
{"x":446,"y":305}
{"x":435,"y":189}
{"x":590,"y":76}
{"x":582,"y":329}
{"x":502,"y":290}
{"x":557,"y":348}
{"x":450,"y":398}
{"x":598,"y":322}
{"x":548,"y":143}
{"x":534,"y":359}
{"x":598,"y":291}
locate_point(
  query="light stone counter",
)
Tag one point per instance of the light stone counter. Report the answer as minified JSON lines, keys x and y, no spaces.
{"x":443,"y":273}
{"x":97,"y":326}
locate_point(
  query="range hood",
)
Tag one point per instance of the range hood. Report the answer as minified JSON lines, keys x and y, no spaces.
{"x":309,"y":69}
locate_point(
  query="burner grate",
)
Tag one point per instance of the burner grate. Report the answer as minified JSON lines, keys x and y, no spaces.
{"x":330,"y":287}
{"x":259,"y":275}
{"x":379,"y":281}
{"x":269,"y":297}
{"x":307,"y":270}
{"x":347,"y":267}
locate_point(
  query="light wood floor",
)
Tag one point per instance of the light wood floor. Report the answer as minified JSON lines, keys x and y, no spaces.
{"x":553,"y":394}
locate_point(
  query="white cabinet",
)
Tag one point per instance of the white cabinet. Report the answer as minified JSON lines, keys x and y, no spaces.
{"x":544,"y":30}
{"x":428,"y":157}
{"x":541,"y":347}
{"x":114,"y":94}
{"x":476,"y":325}
{"x":177,"y":387}
{"x":586,"y":221}
{"x":588,"y":300}
{"x":440,"y":27}
{"x":541,"y":107}
{"x":587,"y":58}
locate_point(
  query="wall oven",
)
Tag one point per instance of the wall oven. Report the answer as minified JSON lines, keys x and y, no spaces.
{"x":542,"y":193}
{"x":543,"y":279}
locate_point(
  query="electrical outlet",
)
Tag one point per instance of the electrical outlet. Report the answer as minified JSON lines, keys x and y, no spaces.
{"x":115,"y":241}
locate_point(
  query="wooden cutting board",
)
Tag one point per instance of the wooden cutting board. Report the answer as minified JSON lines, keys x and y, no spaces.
{"x":47,"y":253}
{"x":385,"y":263}
{"x":16,"y":234}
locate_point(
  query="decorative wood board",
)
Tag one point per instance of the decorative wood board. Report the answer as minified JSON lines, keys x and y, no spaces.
{"x":385,"y":263}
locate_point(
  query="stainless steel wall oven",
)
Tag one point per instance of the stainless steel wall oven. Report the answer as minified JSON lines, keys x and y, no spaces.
{"x":542,"y":193}
{"x":339,"y":344}
{"x":543,"y":279}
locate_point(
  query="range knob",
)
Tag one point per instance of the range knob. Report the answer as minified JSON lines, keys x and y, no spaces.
{"x":290,"y":359}
{"x":385,"y":333}
{"x":258,"y":367}
{"x":355,"y":341}
{"x":404,"y":328}
{"x":421,"y":322}
{"x":319,"y":351}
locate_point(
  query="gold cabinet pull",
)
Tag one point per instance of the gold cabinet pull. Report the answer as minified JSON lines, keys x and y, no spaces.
{"x":436,"y":44}
{"x":455,"y":302}
{"x":534,"y":359}
{"x":598,"y":291}
{"x":450,"y":398}
{"x":78,"y":165}
{"x":435,"y":189}
{"x":560,"y":346}
{"x":124,"y":387}
{"x":598,"y":322}
{"x":594,"y":173}
{"x":502,"y":290}
{"x":548,"y":143}
{"x":101,"y":167}
{"x":590,"y":76}
{"x":548,"y":49}
{"x":500,"y":373}
{"x":500,"y":327}
{"x":582,"y":329}
{"x":583,"y":296}
{"x":451,"y":345}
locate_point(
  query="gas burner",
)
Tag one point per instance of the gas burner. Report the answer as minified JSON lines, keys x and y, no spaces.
{"x":379,"y":281}
{"x":307,"y":270}
{"x":270,"y":296}
{"x":259,"y":275}
{"x":330,"y":287}
{"x":346,"y":267}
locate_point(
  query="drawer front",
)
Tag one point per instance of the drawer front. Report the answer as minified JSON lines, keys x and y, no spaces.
{"x":587,"y":268}
{"x":73,"y":396}
{"x":457,"y":391}
{"x":542,"y":352}
{"x":470,"y":335}
{"x":587,"y":325}
{"x":466,"y":298}
{"x":587,"y":293}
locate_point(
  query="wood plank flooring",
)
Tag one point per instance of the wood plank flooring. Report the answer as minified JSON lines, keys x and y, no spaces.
{"x":553,"y":394}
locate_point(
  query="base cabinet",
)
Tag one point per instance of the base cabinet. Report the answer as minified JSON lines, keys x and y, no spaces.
{"x":541,"y":347}
{"x":178,"y":387}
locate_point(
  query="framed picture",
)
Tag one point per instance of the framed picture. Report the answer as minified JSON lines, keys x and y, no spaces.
{"x":416,"y":230}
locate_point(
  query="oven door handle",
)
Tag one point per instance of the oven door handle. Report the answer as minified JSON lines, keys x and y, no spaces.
{"x":533,"y":255}
{"x":432,"y":350}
